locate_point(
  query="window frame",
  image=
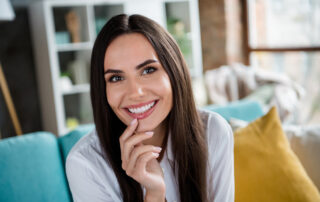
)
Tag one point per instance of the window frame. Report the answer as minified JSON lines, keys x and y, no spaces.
{"x":248,"y":49}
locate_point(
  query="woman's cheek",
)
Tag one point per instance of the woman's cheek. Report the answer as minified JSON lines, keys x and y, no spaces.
{"x":163,"y":85}
{"x":112,"y":97}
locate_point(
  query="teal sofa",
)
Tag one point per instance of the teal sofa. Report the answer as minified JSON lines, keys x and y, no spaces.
{"x":32,"y":166}
{"x":246,"y":110}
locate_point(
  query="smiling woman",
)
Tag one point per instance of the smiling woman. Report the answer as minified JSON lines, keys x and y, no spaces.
{"x":150,"y":143}
{"x":142,"y":90}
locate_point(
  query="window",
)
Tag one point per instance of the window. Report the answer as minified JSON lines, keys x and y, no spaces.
{"x":284,"y":36}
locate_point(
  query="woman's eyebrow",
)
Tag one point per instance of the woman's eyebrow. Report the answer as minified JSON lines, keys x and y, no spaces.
{"x":145,"y":63}
{"x":117,"y":71}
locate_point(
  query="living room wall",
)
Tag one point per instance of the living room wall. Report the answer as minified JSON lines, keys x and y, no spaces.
{"x":222,"y":33}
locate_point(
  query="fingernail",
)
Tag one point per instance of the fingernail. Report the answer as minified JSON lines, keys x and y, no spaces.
{"x":133,"y":121}
{"x":158,"y":149}
{"x":149,"y":133}
{"x":155,"y":154}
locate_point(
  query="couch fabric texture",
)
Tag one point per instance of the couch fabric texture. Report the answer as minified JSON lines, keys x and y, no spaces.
{"x":31,"y":169}
{"x":32,"y":166}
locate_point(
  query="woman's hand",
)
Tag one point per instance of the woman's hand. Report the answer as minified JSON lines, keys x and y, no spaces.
{"x":140,"y":161}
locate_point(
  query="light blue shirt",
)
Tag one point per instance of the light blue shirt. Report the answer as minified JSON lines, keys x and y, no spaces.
{"x":91,"y":178}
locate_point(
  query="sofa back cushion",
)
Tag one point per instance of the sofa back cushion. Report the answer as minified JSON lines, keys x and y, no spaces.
{"x":246,"y":110}
{"x":67,"y":141}
{"x":31,"y":169}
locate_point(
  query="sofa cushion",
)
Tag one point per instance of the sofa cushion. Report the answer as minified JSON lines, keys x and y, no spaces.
{"x":246,"y":110}
{"x":31,"y":169}
{"x":266,"y":169}
{"x":67,"y":141}
{"x":305,"y":142}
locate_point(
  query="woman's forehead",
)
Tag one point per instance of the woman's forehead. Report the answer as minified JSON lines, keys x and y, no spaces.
{"x":128,"y":50}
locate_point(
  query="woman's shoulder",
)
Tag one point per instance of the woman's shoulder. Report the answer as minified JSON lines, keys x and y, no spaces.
{"x":213,"y":119}
{"x":216,"y":127}
{"x":87,"y":145}
{"x":88,"y":173}
{"x":87,"y":150}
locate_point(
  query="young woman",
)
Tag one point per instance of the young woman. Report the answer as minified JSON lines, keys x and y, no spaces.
{"x":150,"y":142}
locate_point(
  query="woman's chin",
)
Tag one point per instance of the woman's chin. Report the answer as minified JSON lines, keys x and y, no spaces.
{"x":144,"y":125}
{"x":143,"y":128}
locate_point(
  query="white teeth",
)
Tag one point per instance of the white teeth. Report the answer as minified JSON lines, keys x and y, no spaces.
{"x":141,"y":109}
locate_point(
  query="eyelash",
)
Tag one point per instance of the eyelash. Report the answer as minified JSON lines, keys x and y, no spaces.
{"x":152,"y":69}
{"x":119,"y":78}
{"x":116,"y":78}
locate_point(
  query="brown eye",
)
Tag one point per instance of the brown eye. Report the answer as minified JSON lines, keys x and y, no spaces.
{"x":149,"y":70}
{"x":114,"y":79}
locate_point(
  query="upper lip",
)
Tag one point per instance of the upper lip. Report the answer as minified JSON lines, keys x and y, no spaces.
{"x":140,"y":104}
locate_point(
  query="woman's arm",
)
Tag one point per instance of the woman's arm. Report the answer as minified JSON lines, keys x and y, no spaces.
{"x":221,"y":157}
{"x":155,"y":197}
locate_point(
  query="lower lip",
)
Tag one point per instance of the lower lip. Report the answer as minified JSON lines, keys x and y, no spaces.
{"x":144,"y":114}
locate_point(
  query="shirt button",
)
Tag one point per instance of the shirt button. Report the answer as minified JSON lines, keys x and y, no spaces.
{"x":163,"y":170}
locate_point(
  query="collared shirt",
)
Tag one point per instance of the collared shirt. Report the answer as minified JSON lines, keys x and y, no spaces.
{"x":92,"y":179}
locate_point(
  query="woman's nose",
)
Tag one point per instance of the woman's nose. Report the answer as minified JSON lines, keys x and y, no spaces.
{"x":135,"y":89}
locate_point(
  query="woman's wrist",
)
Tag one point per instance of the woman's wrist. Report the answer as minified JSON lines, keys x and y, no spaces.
{"x":155,"y":196}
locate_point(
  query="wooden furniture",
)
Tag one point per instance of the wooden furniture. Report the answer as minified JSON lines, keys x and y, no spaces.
{"x":10,"y":105}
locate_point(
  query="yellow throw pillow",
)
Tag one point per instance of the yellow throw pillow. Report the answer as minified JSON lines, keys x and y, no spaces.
{"x":266,"y":169}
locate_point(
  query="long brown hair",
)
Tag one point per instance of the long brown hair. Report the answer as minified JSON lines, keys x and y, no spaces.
{"x":187,"y":132}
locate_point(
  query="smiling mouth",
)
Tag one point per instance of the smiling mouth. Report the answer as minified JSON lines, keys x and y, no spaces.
{"x":141,"y":111}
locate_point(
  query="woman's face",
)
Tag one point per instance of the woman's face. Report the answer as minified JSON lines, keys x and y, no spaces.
{"x":137,"y":85}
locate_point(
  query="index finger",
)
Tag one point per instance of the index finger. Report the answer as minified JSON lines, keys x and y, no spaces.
{"x":129,"y":131}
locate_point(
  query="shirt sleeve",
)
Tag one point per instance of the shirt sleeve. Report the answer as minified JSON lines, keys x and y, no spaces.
{"x":83,"y":182}
{"x":221,"y":160}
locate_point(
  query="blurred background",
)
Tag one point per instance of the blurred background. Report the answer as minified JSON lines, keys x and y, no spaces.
{"x":262,"y":50}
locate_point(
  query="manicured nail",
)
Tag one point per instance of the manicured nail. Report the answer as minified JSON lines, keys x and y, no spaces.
{"x":149,"y":133}
{"x":158,"y":149}
{"x":133,"y":121}
{"x":155,"y":154}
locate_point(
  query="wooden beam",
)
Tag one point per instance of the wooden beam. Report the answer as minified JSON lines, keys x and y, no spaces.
{"x":245,"y":18}
{"x":285,"y":49}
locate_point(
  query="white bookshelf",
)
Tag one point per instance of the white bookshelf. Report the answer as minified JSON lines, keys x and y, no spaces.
{"x":63,"y":66}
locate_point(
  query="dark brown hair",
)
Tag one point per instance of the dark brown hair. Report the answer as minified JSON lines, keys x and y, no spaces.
{"x":187,"y":133}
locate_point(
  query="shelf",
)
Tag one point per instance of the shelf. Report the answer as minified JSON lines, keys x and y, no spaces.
{"x":103,"y":13}
{"x":179,"y":26}
{"x":80,"y":88}
{"x":71,"y":24}
{"x":74,"y":46}
{"x":75,"y":65}
{"x":78,"y":109}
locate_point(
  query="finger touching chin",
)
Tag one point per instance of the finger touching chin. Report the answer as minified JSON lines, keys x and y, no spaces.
{"x":145,"y":126}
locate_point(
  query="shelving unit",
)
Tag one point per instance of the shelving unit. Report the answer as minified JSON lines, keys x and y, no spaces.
{"x":64,"y":33}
